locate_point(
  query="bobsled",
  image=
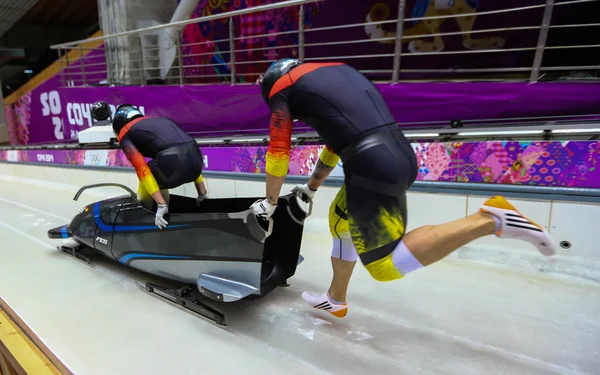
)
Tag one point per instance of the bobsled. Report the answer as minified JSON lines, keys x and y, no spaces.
{"x":218,"y":248}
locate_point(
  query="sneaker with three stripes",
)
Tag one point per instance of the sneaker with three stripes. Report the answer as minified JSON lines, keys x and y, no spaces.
{"x":515,"y":225}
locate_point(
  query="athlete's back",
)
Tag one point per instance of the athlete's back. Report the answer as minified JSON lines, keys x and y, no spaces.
{"x":337,"y":101}
{"x":154,"y":134}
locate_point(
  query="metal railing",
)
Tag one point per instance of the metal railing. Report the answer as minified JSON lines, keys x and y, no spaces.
{"x":551,"y":128}
{"x":240,"y":59}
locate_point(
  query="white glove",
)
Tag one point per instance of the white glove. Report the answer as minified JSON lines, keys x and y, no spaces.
{"x":304,"y":189}
{"x":159,"y":220}
{"x":201,"y":198}
{"x":263,"y":209}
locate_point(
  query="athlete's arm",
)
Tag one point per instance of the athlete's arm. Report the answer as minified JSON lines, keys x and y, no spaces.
{"x":141,"y":169}
{"x":327,"y":162}
{"x":200,"y":185}
{"x":278,"y":153}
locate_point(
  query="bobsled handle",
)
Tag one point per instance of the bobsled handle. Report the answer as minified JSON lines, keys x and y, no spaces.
{"x":305,"y":199}
{"x":84,"y":188}
{"x":254,"y":224}
{"x":269,"y":231}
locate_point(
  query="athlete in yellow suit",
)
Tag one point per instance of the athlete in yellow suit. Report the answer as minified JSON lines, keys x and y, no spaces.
{"x":175,"y":157}
{"x":368,"y":217}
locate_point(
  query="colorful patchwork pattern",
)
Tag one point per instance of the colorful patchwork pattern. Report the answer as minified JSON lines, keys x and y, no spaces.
{"x":556,"y":163}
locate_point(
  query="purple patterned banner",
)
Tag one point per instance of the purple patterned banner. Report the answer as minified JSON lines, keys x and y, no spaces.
{"x":50,"y":114}
{"x":555,"y":163}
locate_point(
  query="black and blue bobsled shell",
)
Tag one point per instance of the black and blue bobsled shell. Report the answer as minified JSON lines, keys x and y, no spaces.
{"x":219,"y":246}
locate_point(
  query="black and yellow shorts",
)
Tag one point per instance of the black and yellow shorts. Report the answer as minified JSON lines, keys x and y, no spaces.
{"x":371,"y":205}
{"x":173,"y":167}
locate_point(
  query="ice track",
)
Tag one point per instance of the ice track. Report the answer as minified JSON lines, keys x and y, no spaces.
{"x":456,"y":317}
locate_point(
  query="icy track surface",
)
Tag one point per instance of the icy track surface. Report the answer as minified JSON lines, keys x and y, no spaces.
{"x":456,"y":317}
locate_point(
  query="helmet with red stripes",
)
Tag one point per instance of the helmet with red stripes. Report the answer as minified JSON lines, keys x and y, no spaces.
{"x":124,"y":114}
{"x":277,"y":70}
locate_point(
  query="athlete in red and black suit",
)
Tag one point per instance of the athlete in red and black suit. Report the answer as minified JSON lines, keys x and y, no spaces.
{"x":368,"y":217}
{"x":176,"y":158}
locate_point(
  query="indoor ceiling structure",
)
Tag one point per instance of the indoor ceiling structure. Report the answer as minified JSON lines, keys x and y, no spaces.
{"x":29,"y":27}
{"x":11,"y":11}
{"x":61,"y":13}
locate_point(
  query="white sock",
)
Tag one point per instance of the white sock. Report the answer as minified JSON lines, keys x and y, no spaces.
{"x":404,"y":260}
{"x":343,"y":248}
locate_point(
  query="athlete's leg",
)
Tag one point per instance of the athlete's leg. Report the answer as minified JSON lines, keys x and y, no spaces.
{"x":377,"y":223}
{"x":429,"y":244}
{"x":497,"y":216}
{"x":342,"y":272}
{"x":343,"y":260}
{"x":434,"y":242}
{"x":343,"y":253}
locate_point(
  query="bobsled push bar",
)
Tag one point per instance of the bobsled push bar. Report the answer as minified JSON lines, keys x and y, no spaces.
{"x":84,"y":188}
{"x":79,"y":251}
{"x":64,"y":231}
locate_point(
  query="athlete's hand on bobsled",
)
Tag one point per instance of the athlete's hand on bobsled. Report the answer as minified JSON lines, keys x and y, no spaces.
{"x":159,"y":220}
{"x":304,"y":189}
{"x":201,"y":198}
{"x":263,"y":209}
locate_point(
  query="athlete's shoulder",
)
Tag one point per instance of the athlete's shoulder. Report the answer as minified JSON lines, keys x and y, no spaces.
{"x":307,"y":68}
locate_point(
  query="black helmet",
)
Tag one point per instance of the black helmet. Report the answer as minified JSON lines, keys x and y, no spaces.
{"x":277,"y":70}
{"x":123,"y":115}
{"x":100,"y":111}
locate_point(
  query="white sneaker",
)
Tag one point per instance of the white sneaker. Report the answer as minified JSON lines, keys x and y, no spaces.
{"x":323,"y":302}
{"x":516,"y":225}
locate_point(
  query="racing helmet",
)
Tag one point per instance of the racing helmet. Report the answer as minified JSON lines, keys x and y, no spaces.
{"x":100,"y":111}
{"x":123,"y":115}
{"x":277,"y":70}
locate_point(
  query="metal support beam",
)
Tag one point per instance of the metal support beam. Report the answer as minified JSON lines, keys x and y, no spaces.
{"x":62,"y":68}
{"x":68,"y":67}
{"x":301,"y":34}
{"x":541,"y":44}
{"x":143,"y":72}
{"x":399,"y":34}
{"x":232,"y":49}
{"x":81,"y":64}
{"x":179,"y":55}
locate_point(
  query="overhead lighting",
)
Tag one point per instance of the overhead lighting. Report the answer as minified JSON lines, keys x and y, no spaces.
{"x":422,"y":135}
{"x":567,"y":131}
{"x":506,"y":132}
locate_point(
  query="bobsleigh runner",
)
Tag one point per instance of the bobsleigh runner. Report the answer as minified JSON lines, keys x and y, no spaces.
{"x":218,"y":249}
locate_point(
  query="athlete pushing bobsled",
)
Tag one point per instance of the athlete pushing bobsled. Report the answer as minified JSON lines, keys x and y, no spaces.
{"x":368,"y":217}
{"x":176,"y":158}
